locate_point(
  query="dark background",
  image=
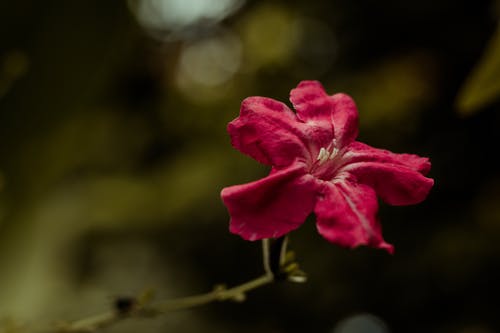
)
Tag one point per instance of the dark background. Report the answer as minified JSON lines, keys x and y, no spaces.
{"x":113,"y":151}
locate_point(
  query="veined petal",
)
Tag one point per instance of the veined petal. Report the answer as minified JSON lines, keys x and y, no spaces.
{"x":346,"y":215}
{"x":360,"y":152}
{"x":268,"y":131}
{"x":272,"y":206}
{"x":314,"y":105}
{"x":396,"y":184}
{"x":311,"y":101}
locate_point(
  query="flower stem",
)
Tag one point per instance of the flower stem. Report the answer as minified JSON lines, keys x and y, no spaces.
{"x":278,"y":266}
{"x":220,"y":293}
{"x":237,"y":294}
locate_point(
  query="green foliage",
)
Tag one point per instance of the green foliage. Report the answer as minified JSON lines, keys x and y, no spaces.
{"x":482,"y":87}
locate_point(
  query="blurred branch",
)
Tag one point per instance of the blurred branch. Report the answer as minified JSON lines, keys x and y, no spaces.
{"x":138,"y":310}
{"x":279,"y":264}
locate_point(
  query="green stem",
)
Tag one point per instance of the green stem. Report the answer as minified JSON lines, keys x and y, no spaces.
{"x":276,"y":267}
{"x":220,"y":294}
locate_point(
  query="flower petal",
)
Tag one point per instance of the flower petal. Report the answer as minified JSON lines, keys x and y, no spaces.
{"x":346,"y":215}
{"x":268,"y":131}
{"x":360,"y":152}
{"x":313,"y":104}
{"x":272,"y":206}
{"x":396,"y":184}
{"x":311,"y":101}
{"x":345,"y":119}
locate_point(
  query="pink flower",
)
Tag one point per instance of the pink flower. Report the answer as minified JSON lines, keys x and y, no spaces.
{"x":317,"y":166}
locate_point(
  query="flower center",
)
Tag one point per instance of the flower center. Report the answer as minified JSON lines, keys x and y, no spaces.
{"x":326,"y":165}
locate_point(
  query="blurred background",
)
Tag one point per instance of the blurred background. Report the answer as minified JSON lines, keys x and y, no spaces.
{"x":113,"y":151}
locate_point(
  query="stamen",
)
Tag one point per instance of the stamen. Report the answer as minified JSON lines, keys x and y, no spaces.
{"x":334,"y":153}
{"x":323,"y":155}
{"x":335,"y":150}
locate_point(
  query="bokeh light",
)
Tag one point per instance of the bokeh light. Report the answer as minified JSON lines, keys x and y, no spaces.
{"x":269,"y":36}
{"x":164,"y":18}
{"x":210,"y":61}
{"x":361,"y":323}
